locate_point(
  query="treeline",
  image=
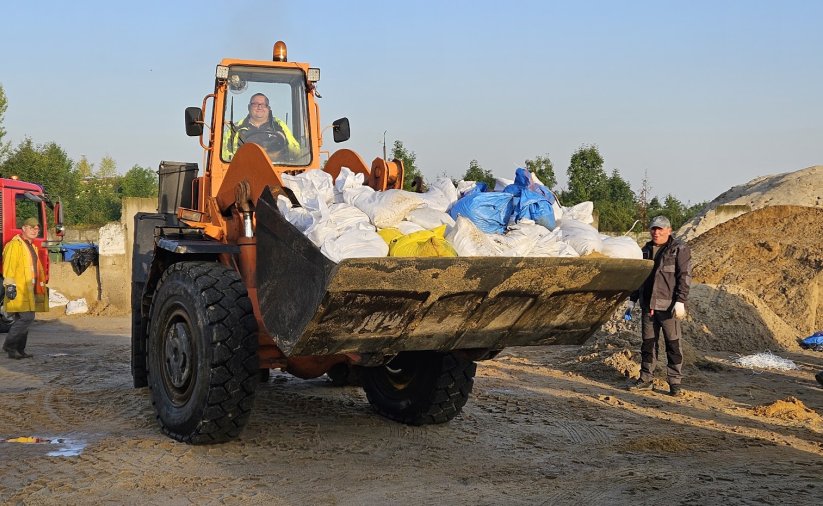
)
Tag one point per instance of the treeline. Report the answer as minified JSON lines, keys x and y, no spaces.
{"x":619,"y":208}
{"x":90,"y":195}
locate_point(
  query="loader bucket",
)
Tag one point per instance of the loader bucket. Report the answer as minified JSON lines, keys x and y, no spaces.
{"x":314,"y":306}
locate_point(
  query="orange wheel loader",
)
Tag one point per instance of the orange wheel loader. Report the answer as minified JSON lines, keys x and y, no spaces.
{"x":224,"y":289}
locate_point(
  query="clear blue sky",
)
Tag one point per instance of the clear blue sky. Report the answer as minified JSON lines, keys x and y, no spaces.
{"x":699,"y":95}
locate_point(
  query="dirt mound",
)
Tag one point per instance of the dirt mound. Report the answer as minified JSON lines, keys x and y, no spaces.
{"x":732,"y":318}
{"x":775,"y":254}
{"x":798,"y":188}
{"x":789,"y":408}
{"x":103,"y":308}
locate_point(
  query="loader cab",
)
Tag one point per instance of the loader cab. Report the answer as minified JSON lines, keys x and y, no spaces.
{"x":277,"y":98}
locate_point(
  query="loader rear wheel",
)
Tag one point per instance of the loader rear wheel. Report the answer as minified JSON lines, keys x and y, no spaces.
{"x":202,"y":353}
{"x":420,"y":387}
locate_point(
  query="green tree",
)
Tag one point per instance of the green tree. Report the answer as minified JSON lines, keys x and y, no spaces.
{"x":139,"y":182}
{"x":107,"y":168}
{"x":587,"y":179}
{"x":49,"y":166}
{"x":84,"y":168}
{"x":100,"y":203}
{"x":543,"y":168}
{"x":4,"y":146}
{"x":477,"y":173}
{"x":617,"y":209}
{"x":409,"y":166}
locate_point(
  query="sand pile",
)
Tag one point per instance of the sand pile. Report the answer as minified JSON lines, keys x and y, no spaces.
{"x":790,"y":408}
{"x":773,"y":254}
{"x":798,"y":188}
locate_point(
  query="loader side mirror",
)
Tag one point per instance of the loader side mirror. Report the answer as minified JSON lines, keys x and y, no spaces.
{"x":194,"y":121}
{"x":59,"y":229}
{"x":340,"y":129}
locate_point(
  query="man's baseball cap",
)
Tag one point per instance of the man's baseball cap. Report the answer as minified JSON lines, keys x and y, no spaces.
{"x":31,"y":222}
{"x":660,"y":222}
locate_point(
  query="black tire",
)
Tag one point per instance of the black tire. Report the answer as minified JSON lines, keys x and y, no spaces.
{"x":339,"y":375}
{"x":202,"y":353}
{"x":420,"y":387}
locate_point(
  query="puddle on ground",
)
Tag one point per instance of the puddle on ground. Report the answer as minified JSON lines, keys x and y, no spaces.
{"x":67,"y":448}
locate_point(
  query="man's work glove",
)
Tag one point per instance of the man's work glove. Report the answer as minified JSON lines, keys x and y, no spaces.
{"x":11,"y":292}
{"x":679,"y":310}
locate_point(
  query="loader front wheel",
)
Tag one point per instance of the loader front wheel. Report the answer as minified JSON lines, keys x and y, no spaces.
{"x":202,"y":353}
{"x":420,"y":387}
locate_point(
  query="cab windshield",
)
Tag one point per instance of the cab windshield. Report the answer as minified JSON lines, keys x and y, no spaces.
{"x":267,"y":107}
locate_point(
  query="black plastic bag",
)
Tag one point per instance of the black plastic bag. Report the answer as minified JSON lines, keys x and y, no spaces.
{"x":82,"y":259}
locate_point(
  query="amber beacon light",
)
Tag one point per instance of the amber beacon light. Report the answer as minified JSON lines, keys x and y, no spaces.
{"x":279,"y":51}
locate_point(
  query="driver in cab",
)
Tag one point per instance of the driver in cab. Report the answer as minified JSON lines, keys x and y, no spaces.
{"x":262,"y":128}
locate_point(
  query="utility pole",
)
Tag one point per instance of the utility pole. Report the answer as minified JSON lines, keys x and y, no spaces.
{"x":384,"y":144}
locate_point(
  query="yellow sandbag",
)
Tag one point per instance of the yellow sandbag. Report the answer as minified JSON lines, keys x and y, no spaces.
{"x":389,"y":234}
{"x":425,"y":243}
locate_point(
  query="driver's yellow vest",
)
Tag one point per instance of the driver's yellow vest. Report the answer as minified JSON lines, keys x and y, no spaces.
{"x":232,"y":141}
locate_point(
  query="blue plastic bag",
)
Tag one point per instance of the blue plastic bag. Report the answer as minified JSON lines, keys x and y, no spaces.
{"x":532,"y":201}
{"x":814,"y":341}
{"x":489,"y":211}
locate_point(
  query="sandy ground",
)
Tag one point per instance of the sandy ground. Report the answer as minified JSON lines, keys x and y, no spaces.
{"x":543,"y":426}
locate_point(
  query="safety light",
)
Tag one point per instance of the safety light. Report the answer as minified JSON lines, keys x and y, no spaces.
{"x":222,"y":72}
{"x":190,"y":215}
{"x":313,"y":75}
{"x":279,"y":52}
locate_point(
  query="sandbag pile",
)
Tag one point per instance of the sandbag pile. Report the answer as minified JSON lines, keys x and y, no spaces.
{"x":520,"y":217}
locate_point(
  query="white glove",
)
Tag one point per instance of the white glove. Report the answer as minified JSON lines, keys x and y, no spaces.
{"x":679,"y":310}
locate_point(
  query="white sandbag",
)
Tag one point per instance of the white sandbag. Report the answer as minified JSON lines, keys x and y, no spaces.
{"x":385,"y":209}
{"x":583,"y":237}
{"x":336,"y":220}
{"x":464,"y":187}
{"x":347,"y":216}
{"x":500,"y":183}
{"x":57,"y":299}
{"x":407,"y":227}
{"x":355,"y":243}
{"x":430,"y":218}
{"x":300,"y":217}
{"x":470,"y":241}
{"x":581,"y":212}
{"x":551,"y":246}
{"x":78,"y":306}
{"x":622,"y":247}
{"x":519,"y":239}
{"x":445,"y":185}
{"x":346,"y":180}
{"x":435,"y":199}
{"x":311,"y":188}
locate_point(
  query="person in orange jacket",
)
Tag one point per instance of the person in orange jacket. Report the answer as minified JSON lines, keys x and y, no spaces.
{"x":24,"y":282}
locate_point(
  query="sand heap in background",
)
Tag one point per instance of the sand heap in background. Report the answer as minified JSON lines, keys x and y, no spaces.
{"x":799,"y":188}
{"x":774,"y":254}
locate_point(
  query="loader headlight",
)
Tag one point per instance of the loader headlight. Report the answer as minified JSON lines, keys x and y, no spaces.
{"x":314,"y":75}
{"x":222,"y":72}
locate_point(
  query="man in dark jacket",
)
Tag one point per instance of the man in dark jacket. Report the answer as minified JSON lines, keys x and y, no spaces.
{"x":662,"y":300}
